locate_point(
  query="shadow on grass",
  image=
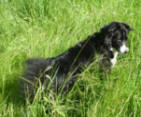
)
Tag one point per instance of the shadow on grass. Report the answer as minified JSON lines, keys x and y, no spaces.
{"x":10,"y":91}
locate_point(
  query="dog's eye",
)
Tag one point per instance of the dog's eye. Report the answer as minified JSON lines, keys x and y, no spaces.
{"x":125,"y":35}
{"x":119,"y":41}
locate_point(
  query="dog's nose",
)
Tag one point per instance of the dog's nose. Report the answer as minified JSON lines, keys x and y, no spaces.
{"x":124,"y":49}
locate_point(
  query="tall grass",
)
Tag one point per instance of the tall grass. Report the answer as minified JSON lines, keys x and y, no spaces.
{"x":46,"y":28}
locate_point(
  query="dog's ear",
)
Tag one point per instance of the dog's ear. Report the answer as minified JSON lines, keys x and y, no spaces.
{"x":127,"y":27}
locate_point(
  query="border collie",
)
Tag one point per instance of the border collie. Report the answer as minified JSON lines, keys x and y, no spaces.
{"x":60,"y":72}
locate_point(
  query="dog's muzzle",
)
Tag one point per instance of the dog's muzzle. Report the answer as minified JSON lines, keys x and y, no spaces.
{"x":123,"y":49}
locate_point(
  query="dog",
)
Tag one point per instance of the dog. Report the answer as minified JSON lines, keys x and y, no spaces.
{"x":60,"y":72}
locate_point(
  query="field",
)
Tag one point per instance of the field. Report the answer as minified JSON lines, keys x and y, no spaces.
{"x":46,"y":28}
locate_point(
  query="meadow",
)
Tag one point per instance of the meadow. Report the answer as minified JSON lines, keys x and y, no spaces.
{"x":46,"y":28}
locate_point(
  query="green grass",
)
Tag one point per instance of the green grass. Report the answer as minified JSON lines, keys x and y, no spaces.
{"x":46,"y":28}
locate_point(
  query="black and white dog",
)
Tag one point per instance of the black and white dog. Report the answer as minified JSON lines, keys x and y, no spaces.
{"x":60,"y":73}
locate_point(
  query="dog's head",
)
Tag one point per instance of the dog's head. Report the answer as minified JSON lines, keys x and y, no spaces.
{"x":116,"y":34}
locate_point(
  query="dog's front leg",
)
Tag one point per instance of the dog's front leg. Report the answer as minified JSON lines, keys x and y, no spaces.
{"x":111,"y":56}
{"x":108,"y":60}
{"x":114,"y":59}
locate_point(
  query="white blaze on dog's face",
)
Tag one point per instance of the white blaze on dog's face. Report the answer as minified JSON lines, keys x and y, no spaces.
{"x":123,"y":48}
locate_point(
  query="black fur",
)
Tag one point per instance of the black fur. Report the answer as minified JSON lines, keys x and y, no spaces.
{"x":69,"y":64}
